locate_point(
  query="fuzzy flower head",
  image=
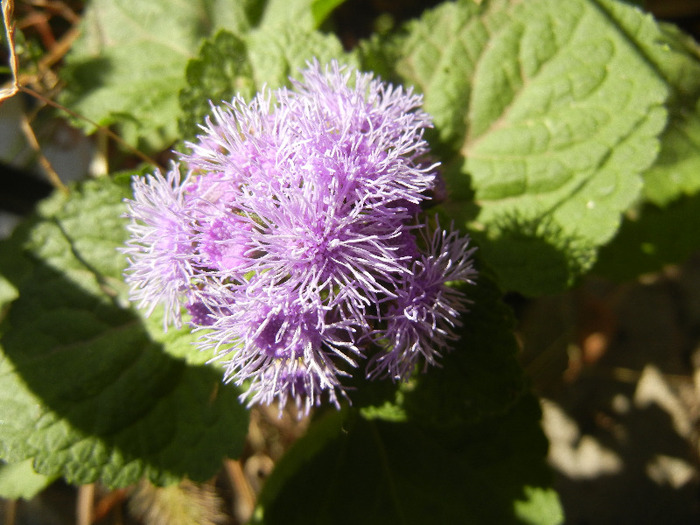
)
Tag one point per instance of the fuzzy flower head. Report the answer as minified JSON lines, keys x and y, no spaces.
{"x":293,"y":236}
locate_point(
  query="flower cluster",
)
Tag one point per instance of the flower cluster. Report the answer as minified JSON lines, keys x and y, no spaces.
{"x":291,"y":234}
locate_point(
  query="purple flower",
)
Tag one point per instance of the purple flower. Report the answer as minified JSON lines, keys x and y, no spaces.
{"x":420,"y":322}
{"x":296,"y":240}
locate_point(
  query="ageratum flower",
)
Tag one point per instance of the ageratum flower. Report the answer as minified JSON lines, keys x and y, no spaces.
{"x":292,"y":234}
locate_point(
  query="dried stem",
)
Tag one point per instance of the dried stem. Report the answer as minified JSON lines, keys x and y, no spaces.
{"x":10,"y":514}
{"x":83,"y":511}
{"x":243,"y":495}
{"x":45,"y":163}
{"x":56,"y":7}
{"x":8,"y":7}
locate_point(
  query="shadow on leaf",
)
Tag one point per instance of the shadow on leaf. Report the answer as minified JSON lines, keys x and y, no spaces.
{"x":88,"y":75}
{"x":533,"y":256}
{"x":651,"y":239}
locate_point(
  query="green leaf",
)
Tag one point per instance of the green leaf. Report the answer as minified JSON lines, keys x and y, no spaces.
{"x":547,"y":258}
{"x":20,"y":480}
{"x":460,"y":444}
{"x":675,"y":172}
{"x":127,"y":66}
{"x":652,"y":238}
{"x":664,"y":230}
{"x":540,"y":505}
{"x":228,"y":65}
{"x":545,"y":112}
{"x":303,"y":14}
{"x":220,"y":72}
{"x":277,"y":55}
{"x":676,"y":58}
{"x":403,"y":473}
{"x":90,"y":390}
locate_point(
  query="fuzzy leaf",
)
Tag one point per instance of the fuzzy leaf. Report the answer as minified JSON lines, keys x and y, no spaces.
{"x":228,"y":65}
{"x":304,"y":14}
{"x":87,"y":390}
{"x":664,"y":230}
{"x":128,"y":64}
{"x":546,"y":112}
{"x":277,"y":55}
{"x":405,"y":473}
{"x":220,"y":72}
{"x":463,"y":429}
{"x":676,"y":58}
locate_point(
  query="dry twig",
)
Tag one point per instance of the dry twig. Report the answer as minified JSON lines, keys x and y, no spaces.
{"x":8,"y":7}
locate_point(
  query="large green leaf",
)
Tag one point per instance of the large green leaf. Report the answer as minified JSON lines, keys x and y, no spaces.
{"x":676,"y":58}
{"x":277,"y":55}
{"x":89,"y":389}
{"x":219,"y":73}
{"x":128,"y":64}
{"x":547,"y":113}
{"x":664,"y":230}
{"x":303,"y":14}
{"x":461,"y":444}
{"x":405,"y":474}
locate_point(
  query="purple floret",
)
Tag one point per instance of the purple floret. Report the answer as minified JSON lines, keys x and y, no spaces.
{"x":296,"y":241}
{"x":159,"y":251}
